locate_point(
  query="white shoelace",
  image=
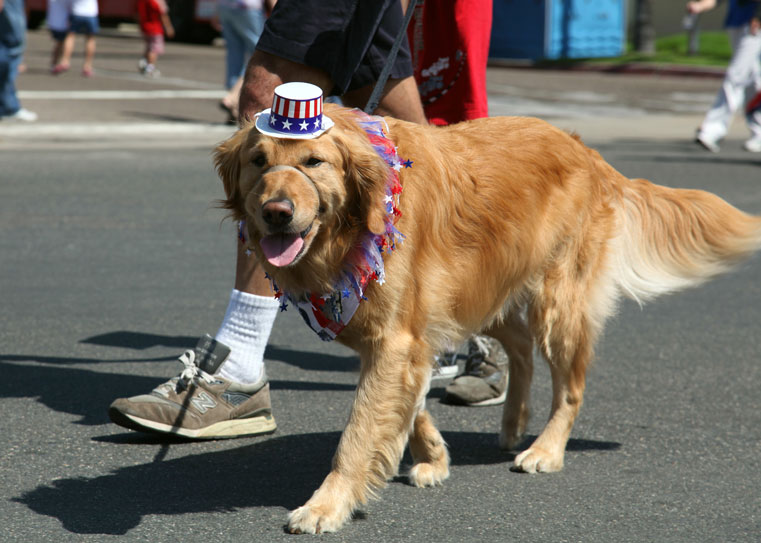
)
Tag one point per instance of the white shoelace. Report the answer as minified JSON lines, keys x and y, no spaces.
{"x":190,"y":372}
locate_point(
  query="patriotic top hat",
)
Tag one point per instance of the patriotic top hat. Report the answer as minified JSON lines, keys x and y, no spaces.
{"x":296,"y":113}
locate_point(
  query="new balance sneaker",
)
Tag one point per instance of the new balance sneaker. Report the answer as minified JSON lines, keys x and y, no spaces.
{"x":445,"y":366}
{"x":484,"y":380}
{"x":199,"y":404}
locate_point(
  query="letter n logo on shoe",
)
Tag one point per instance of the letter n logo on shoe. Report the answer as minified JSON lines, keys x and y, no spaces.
{"x":203,"y":402}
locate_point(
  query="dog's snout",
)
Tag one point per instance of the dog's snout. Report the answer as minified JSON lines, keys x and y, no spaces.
{"x":277,"y":213}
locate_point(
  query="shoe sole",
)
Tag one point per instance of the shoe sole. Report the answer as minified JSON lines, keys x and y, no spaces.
{"x":226,"y":429}
{"x":455,"y":400}
{"x":444,"y":372}
{"x":491,"y":401}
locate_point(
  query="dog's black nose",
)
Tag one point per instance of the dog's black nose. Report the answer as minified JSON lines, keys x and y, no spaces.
{"x":277,"y":213}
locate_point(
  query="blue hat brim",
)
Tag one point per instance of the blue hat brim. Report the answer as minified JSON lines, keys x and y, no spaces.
{"x":263,"y":126}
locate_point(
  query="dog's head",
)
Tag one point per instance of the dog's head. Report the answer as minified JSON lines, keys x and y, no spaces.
{"x":305,"y":202}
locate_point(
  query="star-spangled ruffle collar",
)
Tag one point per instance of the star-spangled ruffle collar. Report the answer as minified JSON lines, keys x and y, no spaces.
{"x":327,"y":314}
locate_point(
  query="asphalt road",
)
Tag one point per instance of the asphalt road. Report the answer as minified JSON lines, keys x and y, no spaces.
{"x":114,"y":260}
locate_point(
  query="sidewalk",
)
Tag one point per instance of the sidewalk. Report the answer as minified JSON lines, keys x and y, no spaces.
{"x":120,"y":108}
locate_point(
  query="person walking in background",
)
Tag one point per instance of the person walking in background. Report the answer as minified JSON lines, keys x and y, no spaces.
{"x":753,"y":107}
{"x":743,"y":76}
{"x":153,"y":16}
{"x":241,"y":23}
{"x":12,"y":42}
{"x":57,"y":20}
{"x":65,"y":19}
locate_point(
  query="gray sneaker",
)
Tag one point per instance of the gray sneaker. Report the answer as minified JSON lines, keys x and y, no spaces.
{"x":484,"y":380}
{"x":199,"y":404}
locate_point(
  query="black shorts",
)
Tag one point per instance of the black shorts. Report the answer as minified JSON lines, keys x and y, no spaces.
{"x":349,"y":39}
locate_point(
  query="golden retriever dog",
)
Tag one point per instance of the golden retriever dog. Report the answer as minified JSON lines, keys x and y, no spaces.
{"x":501,"y":217}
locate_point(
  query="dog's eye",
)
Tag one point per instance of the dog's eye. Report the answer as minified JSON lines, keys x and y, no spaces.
{"x":312,"y":162}
{"x":259,"y":161}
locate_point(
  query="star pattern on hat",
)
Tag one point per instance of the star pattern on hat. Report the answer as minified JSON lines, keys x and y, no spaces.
{"x":303,"y":125}
{"x":286,"y":125}
{"x":317,"y":123}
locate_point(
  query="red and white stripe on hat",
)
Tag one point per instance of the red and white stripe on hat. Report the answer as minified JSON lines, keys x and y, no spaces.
{"x":297,"y":109}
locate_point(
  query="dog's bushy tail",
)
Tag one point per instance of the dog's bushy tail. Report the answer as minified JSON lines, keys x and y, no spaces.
{"x":670,"y":239}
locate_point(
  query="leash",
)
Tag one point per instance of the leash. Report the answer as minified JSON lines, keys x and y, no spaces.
{"x":375,"y":97}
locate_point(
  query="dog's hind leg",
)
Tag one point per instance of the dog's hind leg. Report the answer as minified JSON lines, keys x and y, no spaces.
{"x":393,"y":381}
{"x":565,"y":317}
{"x":516,"y":339}
{"x":568,"y":357}
{"x":429,"y":452}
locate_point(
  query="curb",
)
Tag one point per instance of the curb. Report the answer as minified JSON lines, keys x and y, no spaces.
{"x":627,"y":68}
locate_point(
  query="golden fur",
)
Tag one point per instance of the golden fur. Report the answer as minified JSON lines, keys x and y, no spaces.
{"x":502,"y":216}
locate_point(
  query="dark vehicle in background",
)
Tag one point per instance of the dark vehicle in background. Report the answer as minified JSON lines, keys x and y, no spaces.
{"x":191,"y":18}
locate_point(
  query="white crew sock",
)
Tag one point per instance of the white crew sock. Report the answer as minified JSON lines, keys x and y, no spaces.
{"x":246,"y":329}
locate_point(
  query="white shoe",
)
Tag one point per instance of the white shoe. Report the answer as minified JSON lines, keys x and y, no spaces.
{"x":21,"y":115}
{"x":445,"y":366}
{"x":753,"y":145}
{"x":151,"y":71}
{"x":710,"y":145}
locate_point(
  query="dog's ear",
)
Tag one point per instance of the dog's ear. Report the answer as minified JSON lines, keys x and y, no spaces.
{"x":227,"y":161}
{"x":367,"y":173}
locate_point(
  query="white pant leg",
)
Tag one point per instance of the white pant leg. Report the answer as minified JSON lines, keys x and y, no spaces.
{"x":742,"y":78}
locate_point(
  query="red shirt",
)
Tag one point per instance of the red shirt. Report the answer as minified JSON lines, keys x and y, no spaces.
{"x":149,"y":13}
{"x":449,"y":43}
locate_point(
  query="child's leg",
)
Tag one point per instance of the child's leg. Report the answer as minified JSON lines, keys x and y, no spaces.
{"x":68,"y":49}
{"x":55,"y":56}
{"x":89,"y":52}
{"x":60,"y":57}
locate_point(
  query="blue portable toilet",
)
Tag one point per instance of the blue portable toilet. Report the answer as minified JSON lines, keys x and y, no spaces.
{"x":556,"y":29}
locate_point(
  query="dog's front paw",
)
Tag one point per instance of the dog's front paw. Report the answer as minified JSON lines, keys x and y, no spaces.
{"x":311,"y":519}
{"x":536,"y":460}
{"x":425,"y":474}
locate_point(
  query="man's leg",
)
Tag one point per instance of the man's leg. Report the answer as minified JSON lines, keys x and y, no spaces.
{"x":265,"y":72}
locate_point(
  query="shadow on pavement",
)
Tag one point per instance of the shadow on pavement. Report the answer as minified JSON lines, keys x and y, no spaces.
{"x":270,"y":472}
{"x":55,"y":387}
{"x":306,"y":360}
{"x":140,"y":340}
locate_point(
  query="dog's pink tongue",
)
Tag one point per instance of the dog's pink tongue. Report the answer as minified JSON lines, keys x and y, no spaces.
{"x":281,"y":249}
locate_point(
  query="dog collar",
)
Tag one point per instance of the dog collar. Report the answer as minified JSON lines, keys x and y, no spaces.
{"x":328,"y":314}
